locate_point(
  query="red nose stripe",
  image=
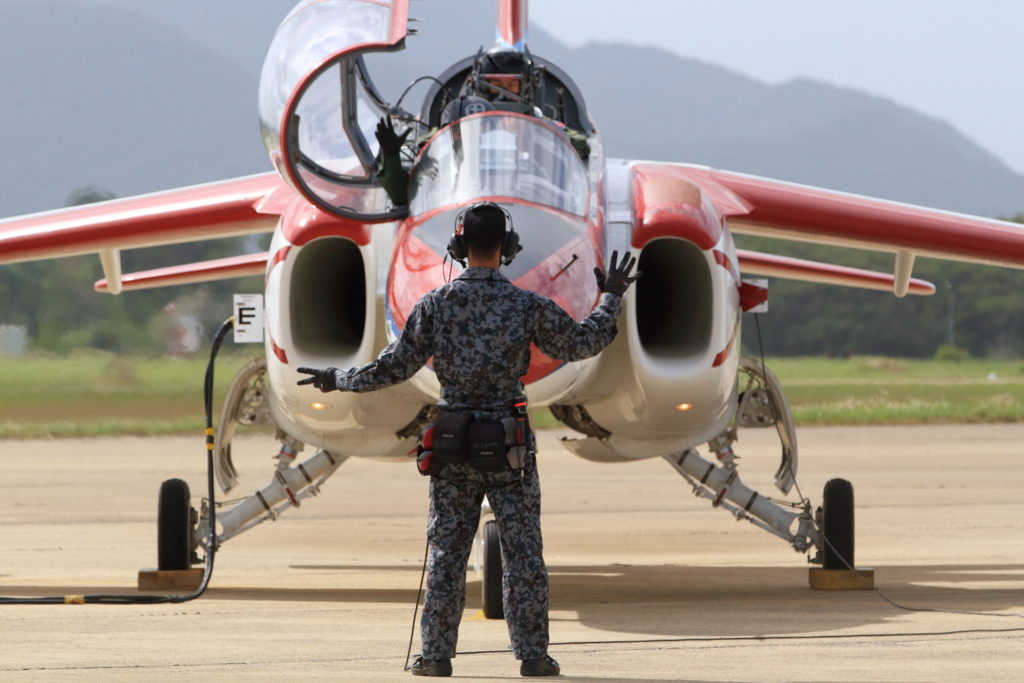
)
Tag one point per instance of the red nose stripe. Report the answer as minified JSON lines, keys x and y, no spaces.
{"x":417,"y":270}
{"x":570,"y":283}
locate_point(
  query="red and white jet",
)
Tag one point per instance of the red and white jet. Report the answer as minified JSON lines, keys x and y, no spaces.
{"x":346,"y":267}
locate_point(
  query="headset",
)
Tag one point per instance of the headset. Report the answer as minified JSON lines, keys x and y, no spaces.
{"x":510,"y":246}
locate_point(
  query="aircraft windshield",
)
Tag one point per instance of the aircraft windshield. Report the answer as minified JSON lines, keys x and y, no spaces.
{"x":499,"y":155}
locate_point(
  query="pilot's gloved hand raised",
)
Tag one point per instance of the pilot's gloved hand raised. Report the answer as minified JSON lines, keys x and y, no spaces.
{"x":618,"y":279}
{"x":324,"y":380}
{"x":390,"y":141}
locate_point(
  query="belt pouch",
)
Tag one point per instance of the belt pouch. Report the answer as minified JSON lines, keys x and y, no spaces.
{"x":450,"y":437}
{"x":515,"y":450}
{"x":487,"y":446}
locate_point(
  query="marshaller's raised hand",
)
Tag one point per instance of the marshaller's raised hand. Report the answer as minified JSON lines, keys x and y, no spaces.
{"x":618,"y":279}
{"x":390,"y":141}
{"x":325,"y":380}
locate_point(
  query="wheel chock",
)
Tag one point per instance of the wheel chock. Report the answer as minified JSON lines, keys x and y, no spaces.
{"x":841,"y":579}
{"x":184,"y":580}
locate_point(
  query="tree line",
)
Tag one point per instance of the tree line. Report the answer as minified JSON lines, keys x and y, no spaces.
{"x":979,"y":309}
{"x":56,"y":301}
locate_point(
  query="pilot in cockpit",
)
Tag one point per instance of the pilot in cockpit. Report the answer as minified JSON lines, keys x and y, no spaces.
{"x":501,"y":79}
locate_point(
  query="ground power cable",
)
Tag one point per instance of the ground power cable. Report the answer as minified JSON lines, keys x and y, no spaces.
{"x":213,"y":543}
{"x":829,"y":636}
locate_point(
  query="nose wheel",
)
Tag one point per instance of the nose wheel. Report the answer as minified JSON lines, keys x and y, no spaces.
{"x":492,"y":574}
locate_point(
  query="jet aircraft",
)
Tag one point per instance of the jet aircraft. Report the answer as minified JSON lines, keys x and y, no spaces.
{"x":346,"y":265}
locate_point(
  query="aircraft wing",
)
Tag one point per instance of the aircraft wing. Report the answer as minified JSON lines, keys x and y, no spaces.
{"x":773,"y":208}
{"x":228,"y":208}
{"x":756,"y":263}
{"x":206,"y":271}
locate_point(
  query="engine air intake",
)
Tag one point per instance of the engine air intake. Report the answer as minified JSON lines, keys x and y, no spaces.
{"x":328,"y":298}
{"x":674,"y":299}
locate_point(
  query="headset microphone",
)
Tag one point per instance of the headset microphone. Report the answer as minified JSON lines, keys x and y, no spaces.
{"x":510,"y":245}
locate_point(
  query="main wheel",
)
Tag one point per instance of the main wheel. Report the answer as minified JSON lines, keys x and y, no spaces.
{"x":174,"y":526}
{"x":837,"y":524}
{"x":492,"y":578}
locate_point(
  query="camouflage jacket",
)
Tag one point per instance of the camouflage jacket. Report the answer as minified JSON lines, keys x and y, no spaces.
{"x":479,"y":328}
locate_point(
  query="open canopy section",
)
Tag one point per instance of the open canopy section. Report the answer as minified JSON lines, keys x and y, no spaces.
{"x":318,"y":107}
{"x":497,"y":155}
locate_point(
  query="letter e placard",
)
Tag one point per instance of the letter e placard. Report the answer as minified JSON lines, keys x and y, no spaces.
{"x":248,"y":318}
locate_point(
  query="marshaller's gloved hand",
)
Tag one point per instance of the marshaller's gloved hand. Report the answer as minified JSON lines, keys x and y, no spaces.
{"x":390,"y":141}
{"x":618,"y":279}
{"x":325,"y":380}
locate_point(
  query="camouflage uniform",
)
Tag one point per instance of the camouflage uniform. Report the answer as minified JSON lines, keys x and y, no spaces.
{"x":479,"y":329}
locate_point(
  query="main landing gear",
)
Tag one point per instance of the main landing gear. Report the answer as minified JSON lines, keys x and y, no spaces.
{"x":176,"y":525}
{"x":181,"y":530}
{"x":829,"y":531}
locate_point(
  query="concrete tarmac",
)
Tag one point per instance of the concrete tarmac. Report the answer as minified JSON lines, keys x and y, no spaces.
{"x":326,"y":593}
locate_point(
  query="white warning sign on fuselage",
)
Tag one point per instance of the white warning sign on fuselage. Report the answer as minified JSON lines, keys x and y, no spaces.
{"x":248,"y":318}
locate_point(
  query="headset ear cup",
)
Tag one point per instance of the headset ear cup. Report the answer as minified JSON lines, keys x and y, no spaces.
{"x":510,"y":246}
{"x":457,"y":248}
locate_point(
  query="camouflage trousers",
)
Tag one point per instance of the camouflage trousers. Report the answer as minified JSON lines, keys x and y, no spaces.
{"x":455,"y":498}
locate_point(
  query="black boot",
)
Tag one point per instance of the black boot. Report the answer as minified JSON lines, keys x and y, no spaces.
{"x":542,"y":666}
{"x":431,"y":667}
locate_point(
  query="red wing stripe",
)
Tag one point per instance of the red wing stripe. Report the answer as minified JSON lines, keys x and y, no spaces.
{"x":202,"y":212}
{"x":778,"y":209}
{"x":755,"y":263}
{"x":207,"y":271}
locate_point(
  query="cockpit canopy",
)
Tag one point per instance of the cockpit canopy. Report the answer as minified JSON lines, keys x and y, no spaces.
{"x":497,"y":155}
{"x":318,"y":108}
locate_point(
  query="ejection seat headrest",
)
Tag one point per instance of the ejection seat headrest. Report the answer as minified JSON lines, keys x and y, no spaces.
{"x":464,"y":106}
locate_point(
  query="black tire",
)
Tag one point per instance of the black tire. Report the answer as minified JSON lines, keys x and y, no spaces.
{"x":837,"y":524}
{"x":174,"y":526}
{"x":493,"y":608}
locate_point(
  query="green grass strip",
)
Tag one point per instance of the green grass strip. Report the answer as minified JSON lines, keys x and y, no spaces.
{"x":63,"y":429}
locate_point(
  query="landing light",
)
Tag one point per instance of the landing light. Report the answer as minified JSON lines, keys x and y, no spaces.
{"x":683,"y":406}
{"x":318,"y":406}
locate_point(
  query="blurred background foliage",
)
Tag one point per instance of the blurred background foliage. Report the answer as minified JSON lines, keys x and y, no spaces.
{"x":56,"y":301}
{"x":977,"y":309}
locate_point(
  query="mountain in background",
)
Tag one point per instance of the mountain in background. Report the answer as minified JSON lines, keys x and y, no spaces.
{"x":94,"y":95}
{"x":142,"y":95}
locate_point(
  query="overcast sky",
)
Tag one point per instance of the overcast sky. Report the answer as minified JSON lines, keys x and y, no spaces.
{"x":958,"y":60}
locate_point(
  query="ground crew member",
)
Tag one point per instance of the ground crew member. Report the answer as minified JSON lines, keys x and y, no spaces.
{"x":479,"y":328}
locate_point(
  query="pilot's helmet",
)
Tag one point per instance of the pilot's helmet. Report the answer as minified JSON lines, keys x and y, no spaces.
{"x":505,"y":68}
{"x":464,"y":106}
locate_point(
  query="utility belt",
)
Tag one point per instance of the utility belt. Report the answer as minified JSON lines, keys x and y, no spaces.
{"x":486,"y":446}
